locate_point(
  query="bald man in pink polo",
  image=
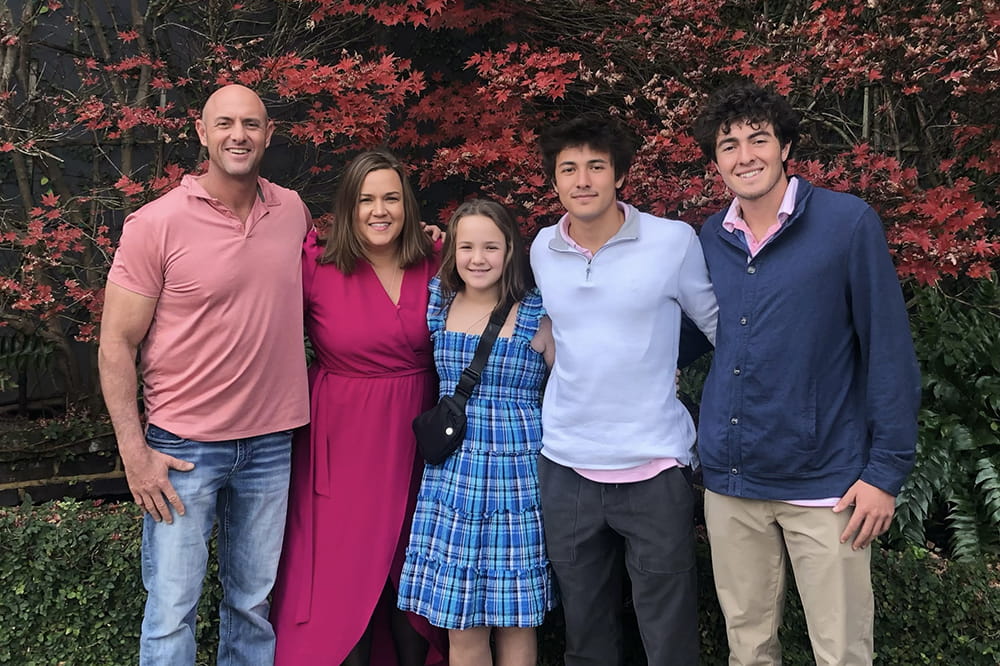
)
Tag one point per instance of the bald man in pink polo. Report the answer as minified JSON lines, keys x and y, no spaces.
{"x":206,"y":288}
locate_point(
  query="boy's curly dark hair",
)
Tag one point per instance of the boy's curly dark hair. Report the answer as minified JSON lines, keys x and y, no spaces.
{"x":594,"y":130}
{"x":749,"y":103}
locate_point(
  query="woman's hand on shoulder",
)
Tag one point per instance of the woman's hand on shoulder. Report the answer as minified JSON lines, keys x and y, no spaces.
{"x":435,"y":232}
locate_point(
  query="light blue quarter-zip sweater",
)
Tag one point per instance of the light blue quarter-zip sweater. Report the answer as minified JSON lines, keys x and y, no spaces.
{"x":611,"y":401}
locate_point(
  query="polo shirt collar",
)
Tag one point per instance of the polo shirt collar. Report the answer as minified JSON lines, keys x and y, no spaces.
{"x":265,"y":190}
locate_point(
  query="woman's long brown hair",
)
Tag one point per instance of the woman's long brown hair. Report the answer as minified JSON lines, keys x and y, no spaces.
{"x":344,"y":246}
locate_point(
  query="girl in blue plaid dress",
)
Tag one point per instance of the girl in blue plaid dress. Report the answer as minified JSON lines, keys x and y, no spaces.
{"x":476,"y":561}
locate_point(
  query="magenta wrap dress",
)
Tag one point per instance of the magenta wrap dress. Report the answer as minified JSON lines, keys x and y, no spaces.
{"x":355,"y":471}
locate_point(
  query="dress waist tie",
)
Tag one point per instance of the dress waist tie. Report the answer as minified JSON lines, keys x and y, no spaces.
{"x":319,"y":468}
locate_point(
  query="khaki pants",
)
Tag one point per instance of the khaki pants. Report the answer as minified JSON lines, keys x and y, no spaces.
{"x":752,"y":542}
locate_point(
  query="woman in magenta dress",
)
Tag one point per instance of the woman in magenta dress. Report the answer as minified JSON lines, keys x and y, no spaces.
{"x":355,"y":470}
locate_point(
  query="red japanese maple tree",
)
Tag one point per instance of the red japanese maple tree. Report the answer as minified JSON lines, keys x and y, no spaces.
{"x":97,"y":103}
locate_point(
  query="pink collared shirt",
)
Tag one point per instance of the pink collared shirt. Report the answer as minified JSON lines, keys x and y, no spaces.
{"x":223,"y":357}
{"x":642,"y":472}
{"x":734,"y":221}
{"x":564,"y":232}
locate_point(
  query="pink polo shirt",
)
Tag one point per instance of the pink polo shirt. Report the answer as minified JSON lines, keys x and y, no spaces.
{"x":223,"y":357}
{"x":641,"y":472}
{"x":733,"y":222}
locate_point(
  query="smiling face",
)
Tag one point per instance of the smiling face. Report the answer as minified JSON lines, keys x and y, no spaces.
{"x":480,"y":253}
{"x":380,"y":213}
{"x":235,"y":129}
{"x":586,"y":184}
{"x":750,"y":159}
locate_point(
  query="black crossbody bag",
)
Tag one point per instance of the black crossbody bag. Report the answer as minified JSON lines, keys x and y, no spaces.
{"x":441,"y":429}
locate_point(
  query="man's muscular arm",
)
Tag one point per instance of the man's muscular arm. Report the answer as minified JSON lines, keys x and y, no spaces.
{"x":127,"y":316}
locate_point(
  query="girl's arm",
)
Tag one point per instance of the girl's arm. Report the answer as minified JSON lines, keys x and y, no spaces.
{"x":543,"y":342}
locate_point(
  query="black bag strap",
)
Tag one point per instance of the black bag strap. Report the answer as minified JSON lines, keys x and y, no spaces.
{"x":471,"y":375}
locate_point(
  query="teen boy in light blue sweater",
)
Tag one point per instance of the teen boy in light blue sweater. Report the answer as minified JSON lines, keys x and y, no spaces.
{"x":616,"y":441}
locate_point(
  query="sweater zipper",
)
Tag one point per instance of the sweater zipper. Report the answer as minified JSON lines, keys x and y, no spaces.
{"x":613,"y":241}
{"x":575,"y":253}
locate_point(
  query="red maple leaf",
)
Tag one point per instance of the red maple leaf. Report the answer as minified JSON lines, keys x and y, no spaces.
{"x":128,"y":187}
{"x":435,"y":6}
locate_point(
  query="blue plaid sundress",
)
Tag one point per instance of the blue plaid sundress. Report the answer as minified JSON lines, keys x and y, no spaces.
{"x":476,"y":556}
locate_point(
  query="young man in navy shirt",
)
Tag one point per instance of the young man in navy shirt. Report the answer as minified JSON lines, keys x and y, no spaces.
{"x":808,"y":419}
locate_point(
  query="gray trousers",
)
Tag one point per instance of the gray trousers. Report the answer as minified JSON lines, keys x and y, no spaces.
{"x":590,"y":528}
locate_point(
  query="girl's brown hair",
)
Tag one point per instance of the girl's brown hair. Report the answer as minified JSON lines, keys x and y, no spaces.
{"x":344,"y":246}
{"x":515,"y":279}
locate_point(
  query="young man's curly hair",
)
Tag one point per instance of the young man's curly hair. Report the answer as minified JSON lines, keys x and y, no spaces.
{"x":745,"y":103}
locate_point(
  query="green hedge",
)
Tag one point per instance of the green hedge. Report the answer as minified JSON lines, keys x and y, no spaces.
{"x":71,"y":591}
{"x":72,"y":594}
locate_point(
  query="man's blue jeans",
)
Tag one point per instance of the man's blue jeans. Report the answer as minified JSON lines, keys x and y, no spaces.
{"x":242,"y":484}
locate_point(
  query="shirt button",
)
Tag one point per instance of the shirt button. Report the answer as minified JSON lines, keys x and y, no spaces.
{"x":751,"y":269}
{"x":734,"y":420}
{"x":736,"y":371}
{"x":735,"y":471}
{"x":743,"y":321}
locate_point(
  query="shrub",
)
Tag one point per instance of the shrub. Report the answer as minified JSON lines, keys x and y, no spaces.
{"x":956,"y":329}
{"x":932,"y":611}
{"x":72,"y":594}
{"x":72,"y":589}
